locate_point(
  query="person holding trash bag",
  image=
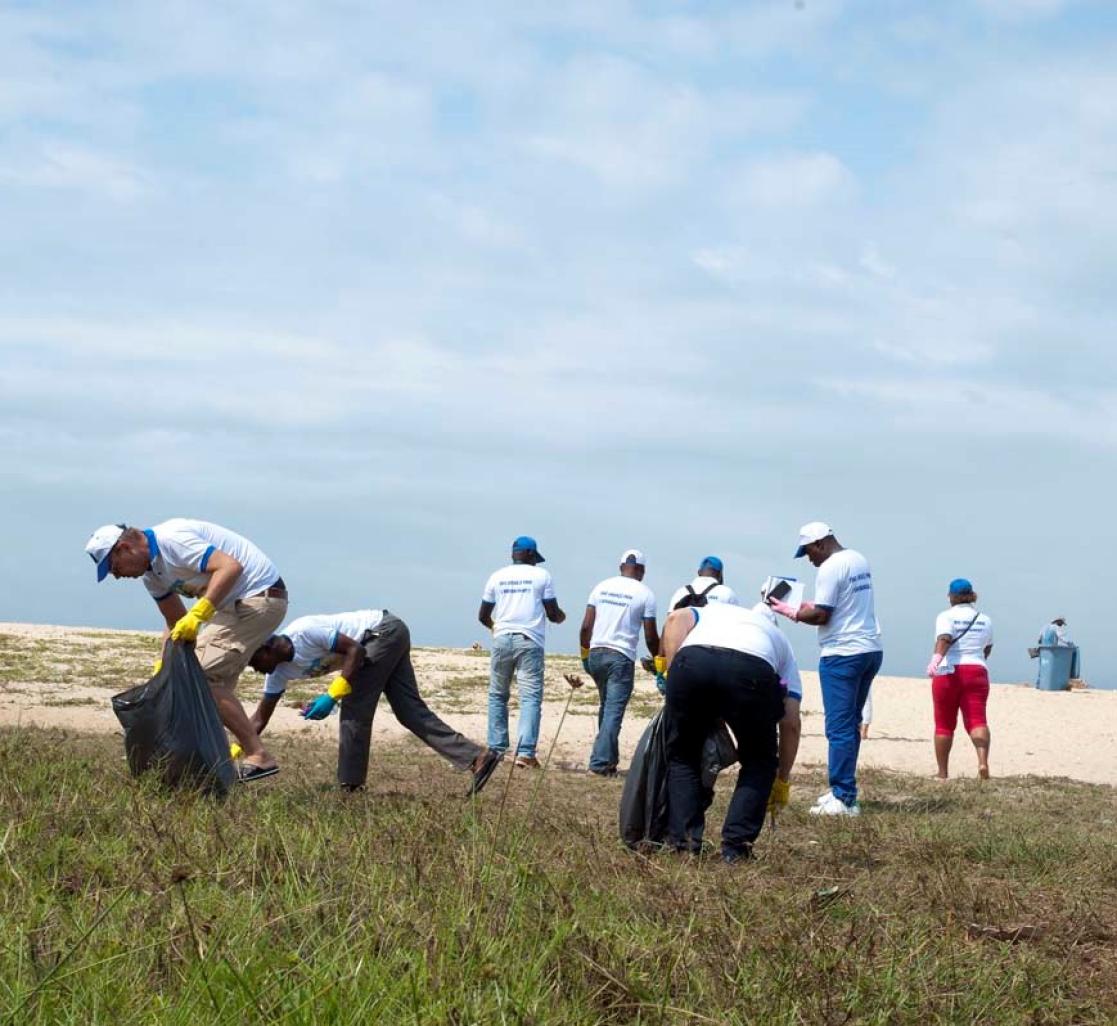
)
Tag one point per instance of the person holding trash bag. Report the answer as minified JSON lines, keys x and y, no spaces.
{"x":959,"y":676}
{"x":726,"y":663}
{"x":240,"y":600}
{"x":371,"y":649}
{"x":618,"y":610}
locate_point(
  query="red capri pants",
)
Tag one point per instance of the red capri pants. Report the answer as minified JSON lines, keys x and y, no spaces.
{"x":967,"y":688}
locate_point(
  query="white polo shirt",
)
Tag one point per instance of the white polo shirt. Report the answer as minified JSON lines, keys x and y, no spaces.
{"x":517,"y":593}
{"x":844,"y":585}
{"x":315,"y":642}
{"x":180,"y":554}
{"x":621,"y":605}
{"x":969,"y":649}
{"x":724,"y":626}
{"x":701,"y":585}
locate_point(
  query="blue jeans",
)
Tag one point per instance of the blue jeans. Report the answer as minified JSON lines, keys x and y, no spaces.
{"x":519,"y":656}
{"x":614,"y":674}
{"x":845,"y":684}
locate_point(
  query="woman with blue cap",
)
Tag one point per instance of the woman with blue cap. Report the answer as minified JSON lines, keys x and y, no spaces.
{"x":959,"y":676}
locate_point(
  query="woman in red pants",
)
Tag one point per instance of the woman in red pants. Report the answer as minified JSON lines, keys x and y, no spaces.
{"x":959,"y":677}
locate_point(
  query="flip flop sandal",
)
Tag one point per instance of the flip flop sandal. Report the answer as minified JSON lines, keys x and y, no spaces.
{"x":249,"y":772}
{"x":484,"y":771}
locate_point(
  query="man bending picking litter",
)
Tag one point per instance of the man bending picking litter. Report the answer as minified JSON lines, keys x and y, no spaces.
{"x":240,"y":597}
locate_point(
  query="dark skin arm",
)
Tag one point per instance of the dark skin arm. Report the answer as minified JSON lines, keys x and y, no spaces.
{"x":554,"y":614}
{"x":585,"y":633}
{"x":816,"y":616}
{"x":173,"y":610}
{"x":352,"y":656}
{"x":485,"y":614}
{"x":651,"y":637}
{"x":259,"y":719}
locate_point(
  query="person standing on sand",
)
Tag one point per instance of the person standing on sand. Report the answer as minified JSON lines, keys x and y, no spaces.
{"x":728,"y":663}
{"x":371,"y":649}
{"x":516,"y":604}
{"x":616,"y":610}
{"x":851,"y":654}
{"x":708,"y":586}
{"x":959,"y":675}
{"x":240,"y":597}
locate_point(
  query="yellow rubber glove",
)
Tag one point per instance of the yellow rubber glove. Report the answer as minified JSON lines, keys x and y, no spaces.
{"x":339,"y":689}
{"x":187,"y":628}
{"x":779,"y":796}
{"x":585,"y":652}
{"x":235,"y":751}
{"x":661,"y":665}
{"x":157,"y":666}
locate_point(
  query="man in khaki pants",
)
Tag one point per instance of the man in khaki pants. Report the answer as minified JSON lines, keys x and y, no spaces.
{"x":241,"y":600}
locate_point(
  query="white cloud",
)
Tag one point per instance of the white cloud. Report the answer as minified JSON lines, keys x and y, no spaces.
{"x":794,"y":180}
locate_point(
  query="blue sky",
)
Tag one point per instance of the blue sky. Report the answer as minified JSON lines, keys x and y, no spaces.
{"x":384,"y":286}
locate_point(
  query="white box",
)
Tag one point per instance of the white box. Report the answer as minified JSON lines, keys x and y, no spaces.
{"x":794,"y":598}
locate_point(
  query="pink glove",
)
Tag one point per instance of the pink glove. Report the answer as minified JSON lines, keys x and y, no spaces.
{"x":933,"y":665}
{"x":784,"y":609}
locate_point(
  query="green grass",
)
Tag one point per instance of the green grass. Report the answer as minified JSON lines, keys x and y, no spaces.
{"x":290,"y":903}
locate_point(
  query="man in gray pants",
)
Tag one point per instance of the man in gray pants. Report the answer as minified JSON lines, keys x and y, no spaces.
{"x":372,"y":650}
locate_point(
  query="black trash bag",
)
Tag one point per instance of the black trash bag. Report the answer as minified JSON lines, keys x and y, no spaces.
{"x":644,"y":801}
{"x":171,"y":726}
{"x":643,"y":812}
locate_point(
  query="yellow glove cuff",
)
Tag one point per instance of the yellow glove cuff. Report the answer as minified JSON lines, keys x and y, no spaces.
{"x":156,"y":666}
{"x":585,"y":653}
{"x":203,"y":609}
{"x":781,"y":791}
{"x":660,"y":664}
{"x":235,"y":751}
{"x":339,"y":689}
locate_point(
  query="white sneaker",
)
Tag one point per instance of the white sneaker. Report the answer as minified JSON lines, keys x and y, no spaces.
{"x":824,"y":798}
{"x":834,"y":806}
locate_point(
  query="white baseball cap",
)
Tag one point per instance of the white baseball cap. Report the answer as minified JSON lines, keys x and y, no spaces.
{"x":100,"y":547}
{"x":815,"y":531}
{"x":633,"y":556}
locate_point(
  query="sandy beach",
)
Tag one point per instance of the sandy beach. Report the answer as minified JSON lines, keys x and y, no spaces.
{"x":64,"y":677}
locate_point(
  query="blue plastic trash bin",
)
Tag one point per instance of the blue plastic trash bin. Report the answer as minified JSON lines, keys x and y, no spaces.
{"x":1054,"y":667}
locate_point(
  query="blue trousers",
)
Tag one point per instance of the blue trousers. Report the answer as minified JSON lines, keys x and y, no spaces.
{"x":514,"y":655}
{"x":614,"y":674}
{"x":845,"y":685}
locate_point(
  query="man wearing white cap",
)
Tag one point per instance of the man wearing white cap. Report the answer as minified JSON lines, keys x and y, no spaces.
{"x":851,"y":654}
{"x":241,"y":600}
{"x":616,"y":610}
{"x":708,"y":586}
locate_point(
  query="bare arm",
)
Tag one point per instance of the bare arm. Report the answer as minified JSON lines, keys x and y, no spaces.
{"x":651,"y":637}
{"x":943,"y":643}
{"x":259,"y":719}
{"x":816,"y":616}
{"x":554,"y":614}
{"x":988,"y":651}
{"x":791,"y":729}
{"x":352,"y":656}
{"x":585,"y":633}
{"x":173,"y":610}
{"x":679,"y":624}
{"x":485,"y":614}
{"x":223,"y":572}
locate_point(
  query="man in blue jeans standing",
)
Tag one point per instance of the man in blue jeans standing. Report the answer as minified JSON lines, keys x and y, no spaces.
{"x":517,"y":603}
{"x":616,"y":611}
{"x":849,"y":637}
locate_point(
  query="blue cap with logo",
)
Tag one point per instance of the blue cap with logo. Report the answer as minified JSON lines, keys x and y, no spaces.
{"x":960,"y":586}
{"x":711,"y":563}
{"x":526,"y":543}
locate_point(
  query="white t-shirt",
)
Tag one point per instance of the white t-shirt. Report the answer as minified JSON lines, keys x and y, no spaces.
{"x":180,"y":553}
{"x":718,"y":593}
{"x":724,"y":626}
{"x":766,"y":611}
{"x":969,"y":649}
{"x":517,"y":593}
{"x":621,"y":605}
{"x":844,"y":585}
{"x":315,"y":641}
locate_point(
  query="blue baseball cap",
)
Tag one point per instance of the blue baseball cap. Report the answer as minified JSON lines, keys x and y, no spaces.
{"x":711,"y":563}
{"x":960,"y":586}
{"x":526,"y":543}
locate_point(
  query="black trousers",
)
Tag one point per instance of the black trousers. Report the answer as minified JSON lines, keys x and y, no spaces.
{"x":707,"y":684}
{"x":387,"y":670}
